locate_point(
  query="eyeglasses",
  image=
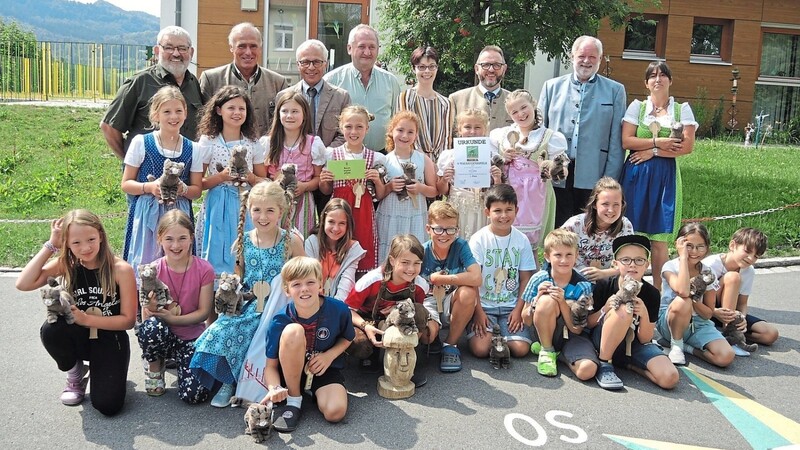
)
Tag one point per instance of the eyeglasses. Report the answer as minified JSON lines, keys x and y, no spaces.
{"x":699,"y":247}
{"x":487,"y":66}
{"x":638,"y":261}
{"x":440,"y":230}
{"x":423,"y":68}
{"x":182,"y":49}
{"x":316,"y":63}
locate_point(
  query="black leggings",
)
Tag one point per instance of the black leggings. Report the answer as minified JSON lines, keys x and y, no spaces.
{"x":108,"y":357}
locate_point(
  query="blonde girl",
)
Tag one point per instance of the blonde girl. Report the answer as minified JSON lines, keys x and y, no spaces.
{"x":471,"y":122}
{"x":221,"y":351}
{"x":687,"y":324}
{"x":171,"y":332}
{"x":228,"y":122}
{"x":406,"y":214}
{"x":354,"y":125}
{"x":146,"y":156}
{"x":522,"y":145}
{"x":377,"y":292}
{"x":103,"y":288}
{"x":291,"y":141}
{"x":603,"y":221}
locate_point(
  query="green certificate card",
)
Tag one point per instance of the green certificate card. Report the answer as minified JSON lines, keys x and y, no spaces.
{"x":351,"y":169}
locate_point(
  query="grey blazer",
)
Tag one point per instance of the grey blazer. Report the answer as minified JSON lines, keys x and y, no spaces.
{"x":332,"y":100}
{"x":599,"y":149}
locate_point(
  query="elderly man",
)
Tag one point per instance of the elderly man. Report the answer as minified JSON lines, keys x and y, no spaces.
{"x":326,"y":100}
{"x":260,"y":83}
{"x":487,"y":95}
{"x":129,"y":112}
{"x":587,"y":108}
{"x":370,"y":86}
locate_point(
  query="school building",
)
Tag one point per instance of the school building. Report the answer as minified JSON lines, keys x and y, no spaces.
{"x":706,"y":44}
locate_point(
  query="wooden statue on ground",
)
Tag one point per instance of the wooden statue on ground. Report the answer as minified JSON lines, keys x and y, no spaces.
{"x":399,"y":363}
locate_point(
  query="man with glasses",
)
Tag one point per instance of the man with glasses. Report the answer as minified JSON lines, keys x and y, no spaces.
{"x":326,"y":101}
{"x":260,"y":83}
{"x":129,"y":112}
{"x":587,"y":108}
{"x":368,"y":85}
{"x":487,"y":96}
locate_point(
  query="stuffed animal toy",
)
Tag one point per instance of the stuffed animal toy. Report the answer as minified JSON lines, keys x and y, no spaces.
{"x":580,"y":310}
{"x":237,"y":165}
{"x":409,"y":176}
{"x":554,"y":169}
{"x":58,"y":302}
{"x":373,"y":192}
{"x":402,"y":316}
{"x":257,"y":419}
{"x":498,"y":162}
{"x":676,"y":131}
{"x":499,"y":353}
{"x":149,"y":282}
{"x":735,"y":336}
{"x":169,"y":181}
{"x":699,"y":283}
{"x":288,"y":179}
{"x":228,"y":299}
{"x":626,"y":294}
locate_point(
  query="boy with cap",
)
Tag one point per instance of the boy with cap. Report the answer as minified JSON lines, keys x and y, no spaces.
{"x":611,"y":327}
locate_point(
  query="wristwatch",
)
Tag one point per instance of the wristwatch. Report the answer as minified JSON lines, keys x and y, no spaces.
{"x":655,"y":151}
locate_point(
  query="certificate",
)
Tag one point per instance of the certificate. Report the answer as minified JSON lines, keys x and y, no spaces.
{"x":472,"y":162}
{"x":348,"y":169}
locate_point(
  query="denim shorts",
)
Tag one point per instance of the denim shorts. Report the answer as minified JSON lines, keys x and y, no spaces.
{"x":498,"y":315}
{"x":574,"y":347}
{"x":641,"y":354}
{"x":698,"y":335}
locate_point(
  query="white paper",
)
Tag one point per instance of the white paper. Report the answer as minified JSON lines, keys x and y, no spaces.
{"x":472,"y":163}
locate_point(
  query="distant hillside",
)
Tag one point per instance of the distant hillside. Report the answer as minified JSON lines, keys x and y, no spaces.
{"x":68,"y":21}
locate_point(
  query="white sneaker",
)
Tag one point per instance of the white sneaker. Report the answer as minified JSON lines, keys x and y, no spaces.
{"x":676,"y":356}
{"x":739,"y":351}
{"x":223,"y":397}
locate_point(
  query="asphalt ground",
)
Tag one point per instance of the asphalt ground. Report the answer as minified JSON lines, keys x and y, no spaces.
{"x":754,"y":403}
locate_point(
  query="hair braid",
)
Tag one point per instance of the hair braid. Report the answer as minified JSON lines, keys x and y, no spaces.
{"x":238,"y":245}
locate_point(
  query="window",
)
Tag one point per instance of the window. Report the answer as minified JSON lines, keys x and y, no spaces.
{"x":778,"y":86}
{"x":645,"y":37}
{"x":711,"y":40}
{"x":284,"y":36}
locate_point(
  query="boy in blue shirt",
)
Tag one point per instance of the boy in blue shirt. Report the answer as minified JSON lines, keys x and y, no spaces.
{"x":454,"y":276}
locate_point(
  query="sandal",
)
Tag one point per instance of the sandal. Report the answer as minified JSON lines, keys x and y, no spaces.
{"x":154,"y":384}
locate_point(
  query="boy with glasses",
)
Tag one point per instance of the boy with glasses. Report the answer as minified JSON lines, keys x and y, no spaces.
{"x":454,"y":276}
{"x":611,"y":327}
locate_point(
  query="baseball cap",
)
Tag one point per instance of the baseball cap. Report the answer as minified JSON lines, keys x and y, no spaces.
{"x":631,"y":239}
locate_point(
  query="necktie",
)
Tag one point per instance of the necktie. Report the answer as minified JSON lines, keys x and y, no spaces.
{"x":489,"y":96}
{"x":312,"y":94}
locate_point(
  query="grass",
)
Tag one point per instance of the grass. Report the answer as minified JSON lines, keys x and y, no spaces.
{"x":53,"y":159}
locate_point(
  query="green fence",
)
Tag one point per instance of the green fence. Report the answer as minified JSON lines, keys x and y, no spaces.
{"x":67,"y":70}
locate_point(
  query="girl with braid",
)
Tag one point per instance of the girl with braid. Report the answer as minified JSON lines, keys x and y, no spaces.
{"x":260,"y":253}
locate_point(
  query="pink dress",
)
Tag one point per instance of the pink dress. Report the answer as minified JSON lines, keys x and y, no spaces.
{"x":304,"y":209}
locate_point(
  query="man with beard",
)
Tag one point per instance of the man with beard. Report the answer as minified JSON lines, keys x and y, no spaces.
{"x":128,"y":114}
{"x":368,"y":85}
{"x":260,"y":83}
{"x":588,"y":109}
{"x":487,"y":96}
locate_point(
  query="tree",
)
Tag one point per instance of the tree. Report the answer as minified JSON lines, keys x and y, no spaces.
{"x":16,"y":44}
{"x":458,"y":29}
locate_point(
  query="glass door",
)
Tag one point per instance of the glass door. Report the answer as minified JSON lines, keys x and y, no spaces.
{"x":331,"y":22}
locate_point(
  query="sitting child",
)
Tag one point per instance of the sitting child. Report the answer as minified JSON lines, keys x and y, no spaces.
{"x":735,"y":273}
{"x":507,"y":263}
{"x":297,"y":353}
{"x":610,"y":327}
{"x":454,"y":276}
{"x":546,"y":296}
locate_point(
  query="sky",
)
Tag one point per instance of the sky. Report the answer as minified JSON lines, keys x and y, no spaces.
{"x":149,"y":6}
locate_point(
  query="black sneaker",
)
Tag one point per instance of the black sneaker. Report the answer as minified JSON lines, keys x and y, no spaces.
{"x":285,"y":418}
{"x":419,"y":378}
{"x":435,"y":347}
{"x":372,"y":364}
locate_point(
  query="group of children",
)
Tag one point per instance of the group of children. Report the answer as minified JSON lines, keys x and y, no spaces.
{"x":315,"y":289}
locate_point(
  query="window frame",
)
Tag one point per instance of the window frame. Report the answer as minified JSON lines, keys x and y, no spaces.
{"x":660,"y":43}
{"x":283,"y":30}
{"x":726,"y":42}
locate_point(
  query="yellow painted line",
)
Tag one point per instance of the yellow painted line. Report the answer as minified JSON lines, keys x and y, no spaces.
{"x":642,"y":444}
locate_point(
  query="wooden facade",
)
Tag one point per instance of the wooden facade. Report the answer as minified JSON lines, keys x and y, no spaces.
{"x":214,"y":21}
{"x":747,"y":20}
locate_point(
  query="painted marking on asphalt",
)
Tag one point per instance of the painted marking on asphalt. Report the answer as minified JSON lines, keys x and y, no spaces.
{"x":646,"y":444}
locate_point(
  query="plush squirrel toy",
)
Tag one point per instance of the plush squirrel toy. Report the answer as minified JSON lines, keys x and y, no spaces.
{"x":228,"y":299}
{"x":169,"y":181}
{"x":498,"y":162}
{"x":149,"y":282}
{"x":58,"y":302}
{"x":237,"y":165}
{"x":735,"y":336}
{"x":409,"y":176}
{"x":626,"y":294}
{"x":257,"y":419}
{"x":499,"y":353}
{"x":676,"y":131}
{"x":699,"y":283}
{"x":580,"y":310}
{"x":402,"y":316}
{"x":371,"y":184}
{"x":288,"y":178}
